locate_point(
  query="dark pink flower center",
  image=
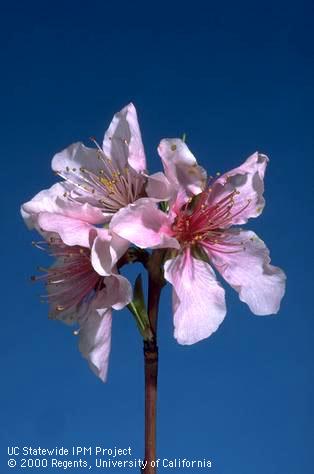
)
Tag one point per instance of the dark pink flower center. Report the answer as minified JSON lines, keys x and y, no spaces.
{"x":71,"y":280}
{"x":202,"y":222}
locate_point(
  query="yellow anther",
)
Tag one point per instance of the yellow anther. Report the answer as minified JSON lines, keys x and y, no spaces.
{"x":173,"y":147}
{"x":192,"y":170}
{"x":105,"y":181}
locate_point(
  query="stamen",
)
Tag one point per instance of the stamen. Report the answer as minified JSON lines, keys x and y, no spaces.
{"x":72,"y":280}
{"x":199,"y":222}
{"x":110,"y":187}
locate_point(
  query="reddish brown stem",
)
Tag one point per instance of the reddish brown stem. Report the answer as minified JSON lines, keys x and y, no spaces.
{"x":151,"y":372}
{"x":155,"y":284}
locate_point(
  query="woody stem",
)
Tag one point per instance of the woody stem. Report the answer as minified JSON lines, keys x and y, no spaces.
{"x":155,"y":284}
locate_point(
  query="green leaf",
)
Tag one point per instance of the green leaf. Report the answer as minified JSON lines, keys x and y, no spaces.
{"x":138,"y":309}
{"x":139,"y":297}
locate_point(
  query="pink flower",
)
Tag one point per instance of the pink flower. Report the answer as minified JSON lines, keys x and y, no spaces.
{"x":181,"y":172}
{"x":76,"y":293}
{"x":199,"y":230}
{"x":97,"y":181}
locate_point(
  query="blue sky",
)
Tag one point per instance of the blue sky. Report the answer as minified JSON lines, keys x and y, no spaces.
{"x":235,"y":77}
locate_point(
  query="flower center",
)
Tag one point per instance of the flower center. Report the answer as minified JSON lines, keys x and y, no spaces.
{"x":201,"y":222}
{"x":71,"y":280}
{"x":108,"y":187}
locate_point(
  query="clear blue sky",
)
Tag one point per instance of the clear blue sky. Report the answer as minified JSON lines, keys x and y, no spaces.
{"x":235,"y":77}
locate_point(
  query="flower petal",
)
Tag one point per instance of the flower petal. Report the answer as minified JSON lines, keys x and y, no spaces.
{"x":247,"y":179}
{"x":118,"y":291}
{"x":44,"y":201}
{"x":95,"y":341}
{"x":71,"y":231}
{"x":144,"y":225}
{"x":53,"y":200}
{"x":74,"y":157}
{"x":106,"y":252}
{"x":123,"y":142}
{"x":81,"y":166}
{"x":198,"y":299}
{"x":95,"y":323}
{"x":181,"y":167}
{"x":159,"y":187}
{"x":248,"y":271}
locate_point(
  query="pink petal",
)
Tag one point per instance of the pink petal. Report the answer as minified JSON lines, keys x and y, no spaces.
{"x":71,"y":231}
{"x":44,"y":201}
{"x":118,"y":291}
{"x":84,"y":212}
{"x":159,"y":187}
{"x":180,"y":166}
{"x":80,"y":166}
{"x":53,"y":200}
{"x":95,"y":322}
{"x":144,"y":225}
{"x":123,"y":142}
{"x":106,"y":252}
{"x":29,"y":219}
{"x":247,"y":179}
{"x":198,"y":299}
{"x":248,"y":271}
{"x":74,"y":157}
{"x":95,"y":341}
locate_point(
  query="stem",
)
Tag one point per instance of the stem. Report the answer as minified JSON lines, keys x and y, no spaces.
{"x":155,"y":284}
{"x":151,"y":372}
